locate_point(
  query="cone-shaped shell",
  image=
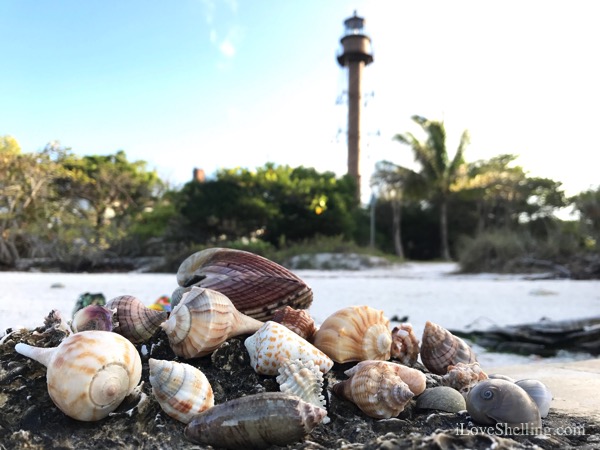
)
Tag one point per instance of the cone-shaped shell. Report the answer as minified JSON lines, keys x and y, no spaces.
{"x":273,"y":343}
{"x":500,"y":401}
{"x":405,"y":345}
{"x":415,"y":379}
{"x":302,"y":379}
{"x":440,"y":349}
{"x":297,"y":320}
{"x":89,"y":373}
{"x":136,"y":321}
{"x":202,"y":321}
{"x":356,"y":333}
{"x":256,"y":286}
{"x":255,"y":421}
{"x":376,"y":389}
{"x":93,"y":317}
{"x":181,"y":390}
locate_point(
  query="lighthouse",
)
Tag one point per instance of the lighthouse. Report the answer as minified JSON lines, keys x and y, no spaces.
{"x":355,"y":54}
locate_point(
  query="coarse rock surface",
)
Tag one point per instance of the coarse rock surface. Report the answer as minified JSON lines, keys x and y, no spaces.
{"x":30,"y":420}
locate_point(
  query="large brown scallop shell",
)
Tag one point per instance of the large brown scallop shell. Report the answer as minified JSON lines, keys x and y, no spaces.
{"x":256,"y":286}
{"x":440,"y":349}
{"x":135,"y":321}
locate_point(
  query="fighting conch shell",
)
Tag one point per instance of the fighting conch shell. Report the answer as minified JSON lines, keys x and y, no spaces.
{"x":440,"y":349}
{"x":89,"y":373}
{"x":135,"y":321}
{"x":202,"y":321}
{"x":356,"y":333}
{"x":181,"y":390}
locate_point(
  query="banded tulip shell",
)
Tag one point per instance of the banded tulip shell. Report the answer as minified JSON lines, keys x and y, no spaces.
{"x":440,"y":349}
{"x":181,"y":390}
{"x":539,"y":393}
{"x":89,"y":373}
{"x":256,"y":286}
{"x":356,"y":333}
{"x":273,"y":343}
{"x":405,"y":345}
{"x":202,"y":321}
{"x":136,"y":321}
{"x":463,"y":377}
{"x":376,"y":389}
{"x":297,"y":320}
{"x":255,"y":421}
{"x":500,"y":401}
{"x":302,"y":379}
{"x":93,"y":317}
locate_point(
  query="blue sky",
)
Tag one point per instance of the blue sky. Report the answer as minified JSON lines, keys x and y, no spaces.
{"x":210,"y":84}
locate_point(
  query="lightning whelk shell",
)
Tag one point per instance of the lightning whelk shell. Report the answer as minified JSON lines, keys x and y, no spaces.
{"x":255,"y":421}
{"x":463,"y":377}
{"x":273,"y":343}
{"x":256,"y":286}
{"x":376,"y":389}
{"x":356,"y":333}
{"x":405,"y":345}
{"x":181,"y":390}
{"x":297,"y":320}
{"x":302,"y":379}
{"x":500,"y":401}
{"x":202,"y":321}
{"x":136,"y":321}
{"x":440,"y":349}
{"x":93,"y":317}
{"x":89,"y":373}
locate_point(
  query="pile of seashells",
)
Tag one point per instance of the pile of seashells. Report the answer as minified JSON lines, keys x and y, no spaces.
{"x":224,"y":293}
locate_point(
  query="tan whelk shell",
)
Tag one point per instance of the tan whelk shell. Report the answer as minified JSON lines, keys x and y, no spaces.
{"x":255,"y":421}
{"x":136,"y":321}
{"x":302,"y":379}
{"x":202,"y":321}
{"x":89,"y":373}
{"x":463,"y":377}
{"x":405,"y":345}
{"x":273,"y":343}
{"x":255,"y":285}
{"x":181,"y":390}
{"x":415,"y":379}
{"x":356,"y":333}
{"x":297,"y":320}
{"x":440,"y":349}
{"x":376,"y":389}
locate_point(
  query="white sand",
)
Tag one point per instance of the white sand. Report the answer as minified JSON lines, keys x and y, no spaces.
{"x":421,"y":291}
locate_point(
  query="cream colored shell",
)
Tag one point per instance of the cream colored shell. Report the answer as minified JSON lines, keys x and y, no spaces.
{"x":302,"y":379}
{"x":356,"y":333}
{"x":415,"y":379}
{"x":440,"y":349}
{"x":202,"y":321}
{"x":89,"y":373}
{"x":376,"y":389}
{"x":273,"y":343}
{"x":181,"y":390}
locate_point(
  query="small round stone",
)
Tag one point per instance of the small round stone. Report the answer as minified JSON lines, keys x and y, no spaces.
{"x":441,"y":398}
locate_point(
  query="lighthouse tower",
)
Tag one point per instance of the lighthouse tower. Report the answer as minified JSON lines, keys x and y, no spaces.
{"x":355,"y":55}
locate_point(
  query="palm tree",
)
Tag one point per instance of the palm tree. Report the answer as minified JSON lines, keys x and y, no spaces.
{"x":436,"y":176}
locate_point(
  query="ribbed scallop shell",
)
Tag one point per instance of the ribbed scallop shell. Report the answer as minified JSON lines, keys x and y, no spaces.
{"x":463,"y":377}
{"x":415,"y":379}
{"x":202,"y":321}
{"x":273,"y":343}
{"x":297,"y":320}
{"x":500,"y":401}
{"x":181,"y":390}
{"x":356,"y":333}
{"x":136,"y":322}
{"x":89,"y":373}
{"x":255,"y":421}
{"x":302,"y":379}
{"x":440,"y":349}
{"x":376,"y":389}
{"x":405,"y":345}
{"x":256,"y":286}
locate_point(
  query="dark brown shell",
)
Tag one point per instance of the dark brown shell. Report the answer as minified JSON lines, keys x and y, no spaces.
{"x":136,"y":321}
{"x":255,"y":285}
{"x":440,"y":349}
{"x":297,"y":320}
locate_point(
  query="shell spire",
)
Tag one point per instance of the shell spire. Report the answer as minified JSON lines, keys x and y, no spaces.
{"x":440,"y":349}
{"x":136,"y":321}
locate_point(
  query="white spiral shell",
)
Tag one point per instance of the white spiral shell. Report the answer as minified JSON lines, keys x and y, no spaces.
{"x":302,"y":379}
{"x":89,"y":373}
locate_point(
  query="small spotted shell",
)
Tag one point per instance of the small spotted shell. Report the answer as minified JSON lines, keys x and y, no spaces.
{"x":356,"y":333}
{"x":463,"y":377}
{"x":136,"y":321}
{"x":297,"y":320}
{"x":273,"y":343}
{"x":181,"y":390}
{"x":440,"y":349}
{"x":405,"y":345}
{"x":255,"y":421}
{"x":376,"y":389}
{"x":302,"y":379}
{"x":89,"y":373}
